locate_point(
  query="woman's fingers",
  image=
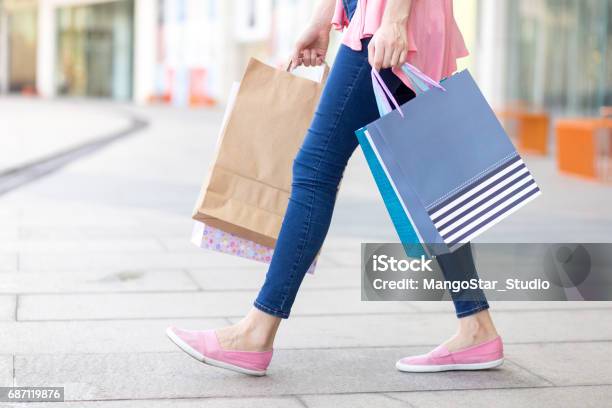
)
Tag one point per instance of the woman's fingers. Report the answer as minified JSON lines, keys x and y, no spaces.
{"x":312,"y":55}
{"x":385,"y":56}
{"x":394,"y":60}
{"x":297,"y":57}
{"x":376,"y":56}
{"x":313,"y":58}
{"x":294,"y":61}
{"x":379,"y":59}
{"x":307,"y":55}
{"x":402,"y":59}
{"x":306,"y":58}
{"x":388,"y":58}
{"x":371,"y":52}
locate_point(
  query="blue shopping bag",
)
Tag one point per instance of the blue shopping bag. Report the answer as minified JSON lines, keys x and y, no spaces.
{"x":445,"y":168}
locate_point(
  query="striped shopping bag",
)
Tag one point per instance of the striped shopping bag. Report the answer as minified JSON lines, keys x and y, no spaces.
{"x":446,"y":169}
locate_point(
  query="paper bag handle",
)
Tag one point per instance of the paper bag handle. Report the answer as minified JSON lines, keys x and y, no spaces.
{"x":323,"y":77}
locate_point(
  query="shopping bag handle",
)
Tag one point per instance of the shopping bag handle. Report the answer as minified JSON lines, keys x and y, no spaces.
{"x":323,"y":77}
{"x":416,"y":75}
{"x":381,"y":93}
{"x":418,"y":81}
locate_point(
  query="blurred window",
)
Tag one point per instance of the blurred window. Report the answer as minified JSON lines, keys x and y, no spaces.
{"x":21,"y":21}
{"x":94,"y":53}
{"x":560,"y":54}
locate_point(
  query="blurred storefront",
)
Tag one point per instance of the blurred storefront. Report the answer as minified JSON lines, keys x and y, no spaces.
{"x":552,"y":54}
{"x":539,"y":53}
{"x":75,"y":47}
{"x":183,"y":52}
{"x":204,"y":45}
{"x":190,"y":55}
{"x":86,"y":48}
{"x":94,"y":50}
{"x":18,"y":45}
{"x":68,"y":47}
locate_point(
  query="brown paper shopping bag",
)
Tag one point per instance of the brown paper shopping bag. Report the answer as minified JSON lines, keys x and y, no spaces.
{"x":247,"y":189}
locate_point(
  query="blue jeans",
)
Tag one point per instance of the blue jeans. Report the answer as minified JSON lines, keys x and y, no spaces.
{"x":347,"y":104}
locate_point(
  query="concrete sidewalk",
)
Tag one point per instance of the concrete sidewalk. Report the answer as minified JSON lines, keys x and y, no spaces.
{"x":95,"y":263}
{"x":33,"y":129}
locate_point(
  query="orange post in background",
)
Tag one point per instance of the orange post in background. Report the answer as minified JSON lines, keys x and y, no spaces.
{"x":533,"y":133}
{"x":528,"y":129}
{"x":584,"y":147}
{"x":197,"y":89}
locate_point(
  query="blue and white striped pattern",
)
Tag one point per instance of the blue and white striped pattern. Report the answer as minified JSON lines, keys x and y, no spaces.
{"x":484,"y":203}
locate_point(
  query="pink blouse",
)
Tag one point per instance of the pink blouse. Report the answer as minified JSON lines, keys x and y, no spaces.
{"x":434,"y":40}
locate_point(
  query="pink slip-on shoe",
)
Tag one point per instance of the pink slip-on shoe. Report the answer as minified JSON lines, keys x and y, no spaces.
{"x":204,"y":346}
{"x":489,"y":354}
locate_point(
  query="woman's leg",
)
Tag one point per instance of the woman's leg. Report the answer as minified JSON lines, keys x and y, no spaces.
{"x":471,"y":306}
{"x":347,"y":103}
{"x":476,"y":344}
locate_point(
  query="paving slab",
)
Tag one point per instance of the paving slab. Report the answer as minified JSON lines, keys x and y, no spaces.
{"x":9,"y":232}
{"x":178,"y":244}
{"x":171,"y":375}
{"x":6,"y":370}
{"x":77,"y":215}
{"x":230,"y":279}
{"x":545,"y":397}
{"x":189,"y":304}
{"x":52,"y":233}
{"x":297,"y":332}
{"x":148,"y":335}
{"x":332,"y":243}
{"x":30,"y":139}
{"x":33,"y":247}
{"x":432,"y":329}
{"x":94,"y":336}
{"x":330,"y":277}
{"x":364,"y":331}
{"x":7,"y":306}
{"x":96,"y":281}
{"x":360,"y":400}
{"x":8,"y":262}
{"x":587,"y":363}
{"x":554,"y":325}
{"x":526,"y":306}
{"x":273,"y":402}
{"x":130,"y":260}
{"x":345,"y":257}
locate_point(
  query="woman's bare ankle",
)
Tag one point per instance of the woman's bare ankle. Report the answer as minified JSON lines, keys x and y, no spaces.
{"x":256,"y":332}
{"x":474,"y":329}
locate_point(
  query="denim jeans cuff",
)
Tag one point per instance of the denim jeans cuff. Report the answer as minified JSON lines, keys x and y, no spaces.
{"x":478,"y":308}
{"x":270,"y":311}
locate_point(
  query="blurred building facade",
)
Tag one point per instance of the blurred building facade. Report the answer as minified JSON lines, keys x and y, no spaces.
{"x":541,"y":53}
{"x":552,"y":54}
{"x":186,"y":52}
{"x":18,"y":45}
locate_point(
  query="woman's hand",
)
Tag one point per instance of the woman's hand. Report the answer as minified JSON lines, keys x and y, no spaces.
{"x":311,"y":48}
{"x":389,"y":46}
